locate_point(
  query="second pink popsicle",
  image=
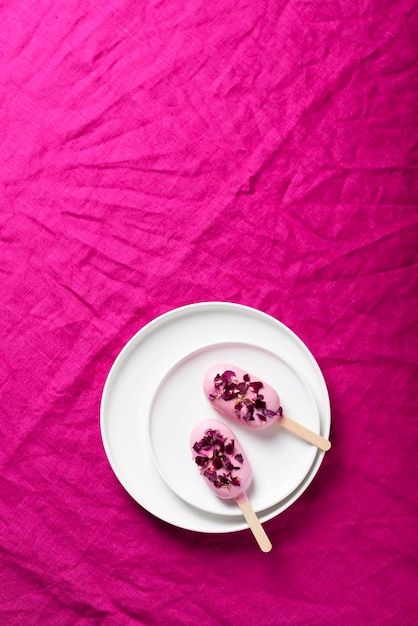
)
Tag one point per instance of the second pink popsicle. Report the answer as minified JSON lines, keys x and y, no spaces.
{"x":252,"y":402}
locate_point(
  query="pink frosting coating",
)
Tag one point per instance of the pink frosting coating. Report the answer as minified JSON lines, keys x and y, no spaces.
{"x":227,"y":407}
{"x":244,"y":473}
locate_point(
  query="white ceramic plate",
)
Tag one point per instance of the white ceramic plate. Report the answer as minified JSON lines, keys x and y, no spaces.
{"x":279,"y":460}
{"x":129,"y":394}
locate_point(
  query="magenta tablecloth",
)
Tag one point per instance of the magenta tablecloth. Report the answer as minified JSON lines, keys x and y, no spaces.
{"x":156,"y":154}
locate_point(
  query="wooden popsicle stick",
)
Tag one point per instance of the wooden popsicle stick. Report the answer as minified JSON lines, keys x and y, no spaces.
{"x":254,"y":523}
{"x":304,"y":433}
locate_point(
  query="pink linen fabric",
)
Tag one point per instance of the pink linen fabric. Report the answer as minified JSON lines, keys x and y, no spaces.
{"x":160,"y":153}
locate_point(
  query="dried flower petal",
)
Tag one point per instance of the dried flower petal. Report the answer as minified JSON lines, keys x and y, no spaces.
{"x":259,"y":404}
{"x":210,"y":475}
{"x":217,"y":463}
{"x":242,"y":388}
{"x":255,"y":386}
{"x":228,"y":376}
{"x":229,"y":448}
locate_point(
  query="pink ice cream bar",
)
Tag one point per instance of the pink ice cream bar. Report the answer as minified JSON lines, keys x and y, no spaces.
{"x":220,"y":459}
{"x":226,"y":470}
{"x":241,"y":396}
{"x":252,"y":402}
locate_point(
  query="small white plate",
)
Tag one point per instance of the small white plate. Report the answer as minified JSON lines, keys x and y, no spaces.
{"x":136,"y":374}
{"x":279,"y":460}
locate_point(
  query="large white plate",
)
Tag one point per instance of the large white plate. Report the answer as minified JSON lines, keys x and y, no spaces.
{"x":279,"y":460}
{"x":136,"y":374}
